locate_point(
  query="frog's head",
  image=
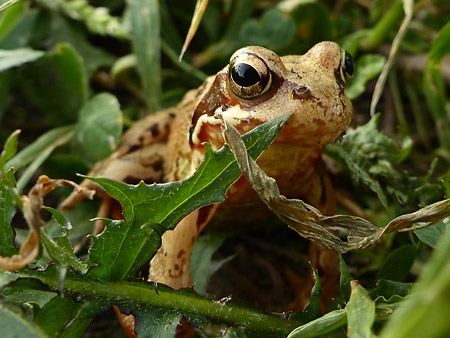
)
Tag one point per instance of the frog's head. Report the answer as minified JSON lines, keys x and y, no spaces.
{"x":258,"y":86}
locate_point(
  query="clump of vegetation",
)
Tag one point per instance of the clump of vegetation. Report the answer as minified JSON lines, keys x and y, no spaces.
{"x":74,"y":74}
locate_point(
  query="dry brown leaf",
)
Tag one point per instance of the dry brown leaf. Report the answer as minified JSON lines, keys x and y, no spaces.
{"x":310,"y":223}
{"x":199,"y":10}
{"x":31,"y":210}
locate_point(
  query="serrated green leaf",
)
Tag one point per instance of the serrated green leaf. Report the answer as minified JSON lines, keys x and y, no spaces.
{"x":18,"y":57}
{"x":367,"y":67}
{"x":121,"y":249}
{"x":60,"y":218}
{"x":397,"y":264}
{"x":360,"y":313}
{"x":60,"y":250}
{"x":161,"y":206}
{"x":14,"y":324}
{"x":369,"y":155}
{"x":100,"y":126}
{"x":320,"y":326}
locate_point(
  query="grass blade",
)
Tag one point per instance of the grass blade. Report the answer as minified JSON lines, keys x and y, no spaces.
{"x":145,"y":29}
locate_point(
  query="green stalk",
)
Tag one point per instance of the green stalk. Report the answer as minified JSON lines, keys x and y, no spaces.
{"x":421,"y":123}
{"x":378,"y":33}
{"x":182,"y":301}
{"x":398,"y":104}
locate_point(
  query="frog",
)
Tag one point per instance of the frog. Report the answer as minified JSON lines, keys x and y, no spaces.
{"x":255,"y":87}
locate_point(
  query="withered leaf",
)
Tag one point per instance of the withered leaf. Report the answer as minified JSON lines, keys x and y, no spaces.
{"x":31,"y":210}
{"x":310,"y":223}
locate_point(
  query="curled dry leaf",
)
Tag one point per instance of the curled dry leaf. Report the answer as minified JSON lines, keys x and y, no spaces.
{"x":31,"y":210}
{"x":310,"y":223}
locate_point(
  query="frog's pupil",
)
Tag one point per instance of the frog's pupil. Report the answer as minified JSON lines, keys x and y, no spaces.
{"x":245,"y":75}
{"x":349,"y":67}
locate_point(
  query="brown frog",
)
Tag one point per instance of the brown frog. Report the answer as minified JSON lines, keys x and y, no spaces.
{"x":255,"y":87}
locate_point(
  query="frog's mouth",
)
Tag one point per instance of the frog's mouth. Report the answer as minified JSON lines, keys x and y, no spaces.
{"x":209,"y":128}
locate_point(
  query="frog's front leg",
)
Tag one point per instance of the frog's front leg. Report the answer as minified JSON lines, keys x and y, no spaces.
{"x":171,"y":264}
{"x":140,"y":155}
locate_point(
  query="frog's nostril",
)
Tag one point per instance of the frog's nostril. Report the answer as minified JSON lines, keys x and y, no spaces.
{"x":301,"y":93}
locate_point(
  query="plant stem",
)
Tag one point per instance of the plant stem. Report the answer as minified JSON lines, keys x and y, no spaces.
{"x":378,"y":33}
{"x":185,"y":301}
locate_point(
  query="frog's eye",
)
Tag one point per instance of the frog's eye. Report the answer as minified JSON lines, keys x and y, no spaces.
{"x":347,"y":67}
{"x":249,"y":76}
